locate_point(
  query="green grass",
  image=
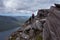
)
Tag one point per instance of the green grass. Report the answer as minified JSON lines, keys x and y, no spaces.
{"x":38,"y":37}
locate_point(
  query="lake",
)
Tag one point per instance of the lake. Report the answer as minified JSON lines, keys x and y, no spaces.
{"x":4,"y":35}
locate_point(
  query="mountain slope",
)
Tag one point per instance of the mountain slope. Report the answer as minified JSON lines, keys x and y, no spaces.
{"x":21,"y":19}
{"x":8,"y":22}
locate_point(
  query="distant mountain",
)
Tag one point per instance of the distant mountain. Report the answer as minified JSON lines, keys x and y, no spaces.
{"x":21,"y":19}
{"x":8,"y":22}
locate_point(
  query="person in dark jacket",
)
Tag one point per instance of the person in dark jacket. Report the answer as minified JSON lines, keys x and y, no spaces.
{"x":33,"y":16}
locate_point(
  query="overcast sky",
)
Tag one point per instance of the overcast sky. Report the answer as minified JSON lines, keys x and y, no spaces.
{"x":22,"y":5}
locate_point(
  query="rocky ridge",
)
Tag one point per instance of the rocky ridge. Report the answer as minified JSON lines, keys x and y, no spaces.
{"x":32,"y":29}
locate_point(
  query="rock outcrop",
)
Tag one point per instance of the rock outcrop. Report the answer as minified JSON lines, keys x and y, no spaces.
{"x":57,"y":5}
{"x":52,"y":25}
{"x":44,"y":26}
{"x":32,"y":29}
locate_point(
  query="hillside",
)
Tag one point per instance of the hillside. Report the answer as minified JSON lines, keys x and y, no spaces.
{"x":8,"y":22}
{"x":21,"y":19}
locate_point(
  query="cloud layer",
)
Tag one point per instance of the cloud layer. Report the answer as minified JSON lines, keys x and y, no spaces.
{"x":30,"y":5}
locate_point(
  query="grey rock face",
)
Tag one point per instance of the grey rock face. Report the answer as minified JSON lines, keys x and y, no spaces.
{"x":52,"y":25}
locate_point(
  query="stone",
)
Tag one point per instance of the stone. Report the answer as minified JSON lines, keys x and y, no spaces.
{"x":57,"y":5}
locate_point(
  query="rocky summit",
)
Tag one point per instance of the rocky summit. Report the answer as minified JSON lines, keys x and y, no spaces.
{"x":41,"y":27}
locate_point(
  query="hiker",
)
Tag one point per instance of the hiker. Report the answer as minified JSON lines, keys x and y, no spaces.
{"x":30,"y":19}
{"x":33,"y":16}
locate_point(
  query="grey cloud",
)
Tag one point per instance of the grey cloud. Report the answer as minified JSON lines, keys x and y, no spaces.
{"x":28,"y":4}
{"x":1,"y":3}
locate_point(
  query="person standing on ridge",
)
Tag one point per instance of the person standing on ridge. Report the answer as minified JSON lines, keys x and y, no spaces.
{"x":32,"y":18}
{"x":32,"y":15}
